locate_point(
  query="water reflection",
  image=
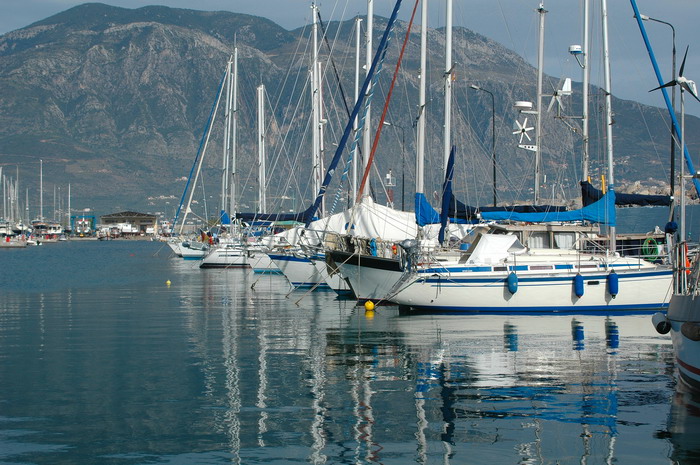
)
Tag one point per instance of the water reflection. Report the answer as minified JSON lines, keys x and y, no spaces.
{"x":510,"y":337}
{"x":209,"y":370}
{"x":612,"y":334}
{"x":683,"y":427}
{"x":577,"y":334}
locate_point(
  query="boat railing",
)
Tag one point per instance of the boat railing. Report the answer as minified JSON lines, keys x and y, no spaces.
{"x":649,"y":247}
{"x":686,"y":270}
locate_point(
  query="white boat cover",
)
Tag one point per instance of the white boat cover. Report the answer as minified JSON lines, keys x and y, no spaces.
{"x":493,"y":248}
{"x":366,"y":219}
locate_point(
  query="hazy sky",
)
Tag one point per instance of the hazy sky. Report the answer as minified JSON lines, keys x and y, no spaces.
{"x":510,"y":22}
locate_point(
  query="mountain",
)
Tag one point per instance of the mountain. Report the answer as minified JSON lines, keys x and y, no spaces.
{"x":115,"y":102}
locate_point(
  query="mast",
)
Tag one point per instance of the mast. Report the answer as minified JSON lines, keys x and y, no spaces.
{"x":682,"y":226}
{"x":4,"y":196}
{"x":41,"y":190}
{"x":5,"y":192}
{"x":358,"y":20}
{"x":18,"y":216}
{"x":366,"y":149}
{"x":262,"y":206}
{"x":586,"y":80}
{"x":234,"y":126}
{"x":315,"y":107}
{"x":420,"y":136}
{"x":538,"y":119}
{"x":69,"y":206}
{"x":608,"y":112}
{"x":321,"y":123}
{"x":447,"y":141}
{"x":225,"y":168}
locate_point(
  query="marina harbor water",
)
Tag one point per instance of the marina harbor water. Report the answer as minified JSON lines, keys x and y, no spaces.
{"x":102,"y":361}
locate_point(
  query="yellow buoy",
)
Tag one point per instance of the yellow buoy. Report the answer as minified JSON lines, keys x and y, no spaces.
{"x":167,"y":283}
{"x":369,"y":305}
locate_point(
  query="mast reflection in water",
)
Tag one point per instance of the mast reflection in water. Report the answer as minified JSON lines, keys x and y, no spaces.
{"x":105,"y":363}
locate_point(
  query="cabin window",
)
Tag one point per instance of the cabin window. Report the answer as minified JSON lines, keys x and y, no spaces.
{"x":541,"y":267}
{"x":564,"y":240}
{"x":539,"y":240}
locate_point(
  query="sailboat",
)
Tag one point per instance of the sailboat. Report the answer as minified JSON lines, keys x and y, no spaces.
{"x":494,"y":271}
{"x":11,"y":227}
{"x":231,"y":250}
{"x":683,"y":317}
{"x":372,"y":265}
{"x":198,"y":247}
{"x":304,"y":262}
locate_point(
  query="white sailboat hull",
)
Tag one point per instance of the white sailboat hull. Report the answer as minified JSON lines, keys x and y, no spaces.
{"x":193,"y":251}
{"x":639,"y":290}
{"x":684,"y":316}
{"x":333,"y":280}
{"x":262,"y":264}
{"x":227,"y":256}
{"x":370,"y":278}
{"x":175,"y":247}
{"x":542,"y":283}
{"x":299,"y":270}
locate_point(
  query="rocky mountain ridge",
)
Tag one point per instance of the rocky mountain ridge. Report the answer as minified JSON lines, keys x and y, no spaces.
{"x":115,"y":102}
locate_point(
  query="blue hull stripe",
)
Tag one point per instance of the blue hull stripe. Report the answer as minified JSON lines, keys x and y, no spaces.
{"x":320,"y":286}
{"x":289,"y":258}
{"x":461,"y":269}
{"x":447,"y":281}
{"x":589,"y":310}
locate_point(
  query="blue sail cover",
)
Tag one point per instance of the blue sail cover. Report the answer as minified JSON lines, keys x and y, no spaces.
{"x":225,"y":219}
{"x":299,"y":217}
{"x":425,"y":213}
{"x":466,"y":213}
{"x":602,"y":212}
{"x":446,"y":194}
{"x":590,"y":194}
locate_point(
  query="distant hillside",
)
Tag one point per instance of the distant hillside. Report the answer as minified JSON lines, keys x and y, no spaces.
{"x":115,"y":102}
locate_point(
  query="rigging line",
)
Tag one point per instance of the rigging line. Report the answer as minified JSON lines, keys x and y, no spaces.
{"x":380,"y":124}
{"x":291,"y":161}
{"x":207,"y":129}
{"x":272,"y":123}
{"x":292,"y":60}
{"x":335,"y":68}
{"x":282,"y":146}
{"x":348,"y":161}
{"x":374,"y":68}
{"x":358,"y":134}
{"x":204,"y":199}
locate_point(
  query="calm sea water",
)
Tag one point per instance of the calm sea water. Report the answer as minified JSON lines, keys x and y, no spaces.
{"x":102,"y":362}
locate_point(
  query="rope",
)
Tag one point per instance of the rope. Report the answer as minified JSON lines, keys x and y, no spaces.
{"x":207,"y":128}
{"x":386,"y":104}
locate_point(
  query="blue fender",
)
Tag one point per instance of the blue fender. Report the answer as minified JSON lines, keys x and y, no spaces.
{"x":512,"y":282}
{"x":613,"y":284}
{"x":578,"y":285}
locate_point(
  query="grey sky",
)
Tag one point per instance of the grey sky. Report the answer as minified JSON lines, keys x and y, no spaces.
{"x":510,"y":22}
